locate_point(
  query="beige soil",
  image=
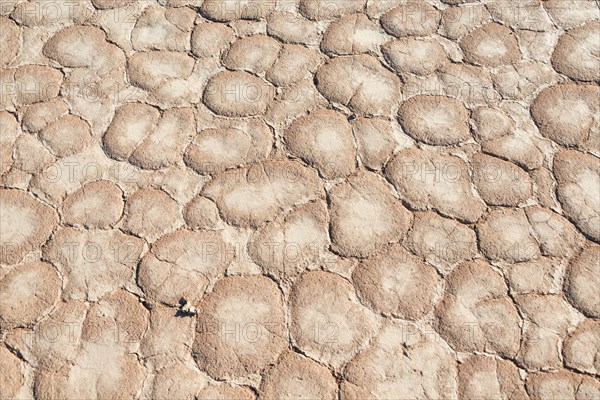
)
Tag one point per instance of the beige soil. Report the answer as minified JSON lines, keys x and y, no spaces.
{"x":300,"y":199}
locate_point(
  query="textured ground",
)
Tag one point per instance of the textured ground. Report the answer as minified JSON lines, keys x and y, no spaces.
{"x":317,"y":199}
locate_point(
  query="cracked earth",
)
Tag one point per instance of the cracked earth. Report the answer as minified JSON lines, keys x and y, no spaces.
{"x":300,"y":199}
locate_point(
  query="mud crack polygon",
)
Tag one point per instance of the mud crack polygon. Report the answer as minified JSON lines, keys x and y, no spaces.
{"x":300,"y":199}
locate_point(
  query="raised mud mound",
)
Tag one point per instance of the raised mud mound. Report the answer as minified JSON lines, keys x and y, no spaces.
{"x":300,"y":199}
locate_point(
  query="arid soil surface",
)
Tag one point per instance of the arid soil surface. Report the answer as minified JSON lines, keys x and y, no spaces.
{"x":300,"y":199}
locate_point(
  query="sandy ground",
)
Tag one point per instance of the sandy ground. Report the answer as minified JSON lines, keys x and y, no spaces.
{"x":300,"y":199}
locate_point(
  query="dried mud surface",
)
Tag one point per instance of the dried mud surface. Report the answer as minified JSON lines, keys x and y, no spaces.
{"x":300,"y":199}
